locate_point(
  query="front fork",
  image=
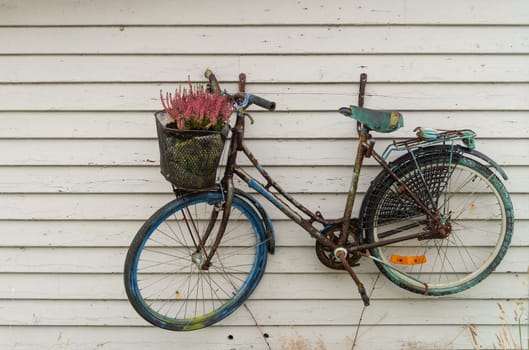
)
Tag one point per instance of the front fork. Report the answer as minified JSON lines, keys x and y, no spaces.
{"x":228,"y":188}
{"x":225,"y":209}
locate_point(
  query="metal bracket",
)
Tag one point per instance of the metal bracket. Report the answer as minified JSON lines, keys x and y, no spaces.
{"x":362,"y":91}
{"x":242,"y":82}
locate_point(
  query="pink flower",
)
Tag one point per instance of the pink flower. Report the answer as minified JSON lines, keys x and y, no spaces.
{"x":196,"y":108}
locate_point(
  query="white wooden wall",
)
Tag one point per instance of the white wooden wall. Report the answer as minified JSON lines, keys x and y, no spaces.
{"x":79,"y":81}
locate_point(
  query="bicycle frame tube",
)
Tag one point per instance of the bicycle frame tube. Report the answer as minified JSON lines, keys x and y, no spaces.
{"x":353,"y":188}
{"x":283,"y":201}
{"x":227,"y":182}
{"x":280,"y":203}
{"x":365,"y":150}
{"x":238,"y":144}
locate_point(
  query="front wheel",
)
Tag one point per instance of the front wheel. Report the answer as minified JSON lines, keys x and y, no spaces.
{"x":471,"y":203}
{"x":165,"y":278}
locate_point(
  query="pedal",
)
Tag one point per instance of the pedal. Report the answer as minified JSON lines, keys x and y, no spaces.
{"x":363,"y":294}
{"x":341,"y":254}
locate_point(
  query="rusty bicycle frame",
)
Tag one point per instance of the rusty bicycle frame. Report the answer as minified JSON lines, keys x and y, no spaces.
{"x":284,"y":201}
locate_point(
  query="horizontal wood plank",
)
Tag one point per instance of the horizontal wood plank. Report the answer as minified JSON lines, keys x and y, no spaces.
{"x":91,"y":234}
{"x":151,"y":338}
{"x":265,"y":69}
{"x":269,"y":152}
{"x":274,"y":12}
{"x":331,"y":285}
{"x":328,"y":337}
{"x":140,"y":207}
{"x":268,"y":125}
{"x":147,"y":338}
{"x":112,"y":180}
{"x":149,"y":180}
{"x":288,"y":97}
{"x":264,"y":40}
{"x":267,"y":313}
{"x":111,"y":260}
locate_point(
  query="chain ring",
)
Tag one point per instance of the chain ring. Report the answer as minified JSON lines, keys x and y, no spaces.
{"x":326,"y":255}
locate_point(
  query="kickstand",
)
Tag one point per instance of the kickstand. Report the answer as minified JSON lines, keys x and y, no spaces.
{"x":361,"y":289}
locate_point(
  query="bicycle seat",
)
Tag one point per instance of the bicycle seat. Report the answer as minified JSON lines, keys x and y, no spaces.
{"x":376,"y":120}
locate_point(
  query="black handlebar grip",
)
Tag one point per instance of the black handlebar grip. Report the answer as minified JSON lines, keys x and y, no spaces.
{"x":214,"y":85}
{"x":261,"y":102}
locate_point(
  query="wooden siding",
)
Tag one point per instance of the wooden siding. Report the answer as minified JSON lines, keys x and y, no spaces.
{"x":79,"y":161}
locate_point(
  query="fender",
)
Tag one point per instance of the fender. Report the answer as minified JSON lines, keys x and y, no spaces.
{"x":267,"y":221}
{"x":483,"y":158}
{"x":489,"y":161}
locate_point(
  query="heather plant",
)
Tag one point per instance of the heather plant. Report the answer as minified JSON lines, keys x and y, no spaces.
{"x":194,"y":108}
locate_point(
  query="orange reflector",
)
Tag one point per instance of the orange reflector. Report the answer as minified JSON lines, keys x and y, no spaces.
{"x":408,"y":260}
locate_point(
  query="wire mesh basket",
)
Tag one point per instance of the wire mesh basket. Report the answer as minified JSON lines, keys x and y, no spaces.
{"x":189,"y":159}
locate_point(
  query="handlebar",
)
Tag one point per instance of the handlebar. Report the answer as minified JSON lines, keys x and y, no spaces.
{"x":246,"y":98}
{"x":261,"y":102}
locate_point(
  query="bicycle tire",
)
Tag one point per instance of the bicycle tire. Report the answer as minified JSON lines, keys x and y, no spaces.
{"x":163,"y":280}
{"x":470,"y":197}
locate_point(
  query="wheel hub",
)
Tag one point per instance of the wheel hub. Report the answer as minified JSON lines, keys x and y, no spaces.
{"x":440,"y":229}
{"x":198,"y":259}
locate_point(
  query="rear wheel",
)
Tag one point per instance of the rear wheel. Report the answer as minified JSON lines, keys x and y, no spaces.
{"x":164,"y":275}
{"x":472,"y":205}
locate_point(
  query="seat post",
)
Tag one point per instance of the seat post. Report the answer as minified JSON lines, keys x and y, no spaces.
{"x":353,"y":188}
{"x":363,"y":137}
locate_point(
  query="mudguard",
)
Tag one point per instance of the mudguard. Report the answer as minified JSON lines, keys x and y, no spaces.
{"x":481,"y":157}
{"x":488,"y":161}
{"x":267,"y":221}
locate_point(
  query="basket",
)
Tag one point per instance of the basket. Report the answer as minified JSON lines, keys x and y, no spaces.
{"x":189,"y":159}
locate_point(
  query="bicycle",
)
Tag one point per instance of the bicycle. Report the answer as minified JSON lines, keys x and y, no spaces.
{"x":436,"y":221}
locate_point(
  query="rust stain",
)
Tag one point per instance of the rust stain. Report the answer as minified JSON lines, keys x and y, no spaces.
{"x":297,"y":342}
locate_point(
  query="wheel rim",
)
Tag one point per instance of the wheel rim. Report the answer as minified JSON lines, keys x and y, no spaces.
{"x":473,"y":207}
{"x":168,"y":283}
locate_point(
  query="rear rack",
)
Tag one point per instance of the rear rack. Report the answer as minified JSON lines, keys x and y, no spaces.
{"x":466,"y":136}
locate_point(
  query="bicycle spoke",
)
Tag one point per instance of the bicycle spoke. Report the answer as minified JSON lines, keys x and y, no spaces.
{"x":155,"y":263}
{"x":471,"y":214}
{"x":177,"y":239}
{"x":159,"y":252}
